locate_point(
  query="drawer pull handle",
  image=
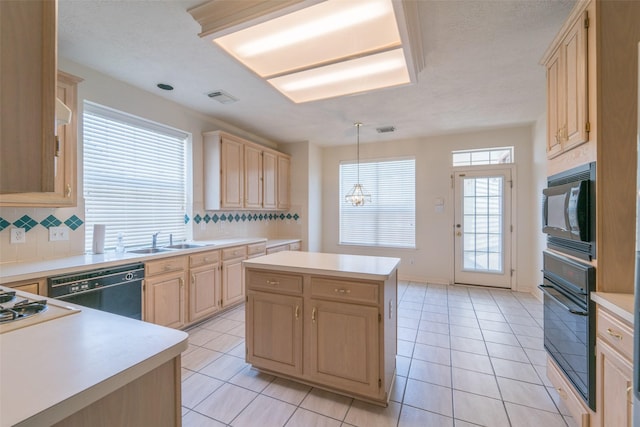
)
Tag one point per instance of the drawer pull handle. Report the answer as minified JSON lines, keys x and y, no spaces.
{"x":614,"y":334}
{"x":273,"y":282}
{"x":193,"y":278}
{"x":207,"y":259}
{"x":313,"y":315}
{"x":342,"y":291}
{"x":297,"y":311}
{"x":167,"y":267}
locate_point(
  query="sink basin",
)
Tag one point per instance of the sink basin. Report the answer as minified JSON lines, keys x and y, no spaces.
{"x":183,"y":246}
{"x":147,"y":251}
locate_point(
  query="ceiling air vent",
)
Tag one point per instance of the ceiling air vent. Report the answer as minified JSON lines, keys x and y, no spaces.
{"x":386,"y":129}
{"x":222,"y":97}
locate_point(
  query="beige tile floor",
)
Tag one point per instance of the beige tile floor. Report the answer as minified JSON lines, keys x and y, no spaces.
{"x":467,"y":356}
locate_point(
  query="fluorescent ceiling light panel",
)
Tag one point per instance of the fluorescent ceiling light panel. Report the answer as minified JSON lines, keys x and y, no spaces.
{"x":355,"y":76}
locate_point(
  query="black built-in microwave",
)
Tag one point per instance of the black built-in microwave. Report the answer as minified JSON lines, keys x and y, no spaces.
{"x":568,"y":211}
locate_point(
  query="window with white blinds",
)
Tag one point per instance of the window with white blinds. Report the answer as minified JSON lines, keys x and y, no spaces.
{"x":134,"y":177}
{"x":389,"y":220}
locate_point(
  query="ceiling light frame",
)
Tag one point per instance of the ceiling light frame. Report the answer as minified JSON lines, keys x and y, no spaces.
{"x":226,"y":23}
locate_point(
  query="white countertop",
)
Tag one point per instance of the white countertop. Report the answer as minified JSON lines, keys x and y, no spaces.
{"x":28,"y":270}
{"x":619,"y":304}
{"x":51,"y":370}
{"x":352,"y":266}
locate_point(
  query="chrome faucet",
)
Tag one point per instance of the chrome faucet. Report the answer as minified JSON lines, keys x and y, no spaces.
{"x":154,"y":239}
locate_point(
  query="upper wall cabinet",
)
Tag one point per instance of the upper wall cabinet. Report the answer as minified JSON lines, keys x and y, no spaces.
{"x":567,"y":101}
{"x":64,"y":193}
{"x":27,"y":95}
{"x":239,"y":174}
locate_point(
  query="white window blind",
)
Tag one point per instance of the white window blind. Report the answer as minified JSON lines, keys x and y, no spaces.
{"x":134,"y":177}
{"x":389,"y":220}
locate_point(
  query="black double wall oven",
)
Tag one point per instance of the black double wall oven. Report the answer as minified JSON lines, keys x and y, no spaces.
{"x":568,"y":212}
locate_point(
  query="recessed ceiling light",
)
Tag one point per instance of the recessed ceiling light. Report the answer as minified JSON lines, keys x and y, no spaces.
{"x":165,"y":86}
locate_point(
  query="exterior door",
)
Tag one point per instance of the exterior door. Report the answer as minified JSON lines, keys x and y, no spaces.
{"x":482,"y":227}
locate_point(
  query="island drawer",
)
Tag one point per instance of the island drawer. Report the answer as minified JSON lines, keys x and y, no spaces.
{"x":236,"y":252}
{"x":294,"y":246}
{"x":257,"y":248}
{"x":337,"y":289}
{"x":165,"y":265}
{"x":204,"y":258}
{"x":275,"y":282}
{"x":615,"y":332}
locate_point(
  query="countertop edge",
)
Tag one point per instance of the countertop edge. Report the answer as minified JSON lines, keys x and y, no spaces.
{"x":85,"y":262}
{"x":617,"y":303}
{"x":81,"y":400}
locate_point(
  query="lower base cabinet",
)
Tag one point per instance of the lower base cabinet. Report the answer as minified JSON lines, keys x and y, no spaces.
{"x":164,"y":292}
{"x":614,"y":370}
{"x":274,"y":335}
{"x":349,"y":328}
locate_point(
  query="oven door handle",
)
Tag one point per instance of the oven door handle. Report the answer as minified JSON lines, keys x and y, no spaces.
{"x":544,"y":290}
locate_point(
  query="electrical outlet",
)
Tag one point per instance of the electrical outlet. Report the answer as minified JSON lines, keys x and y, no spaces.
{"x":58,"y":233}
{"x":18,"y":235}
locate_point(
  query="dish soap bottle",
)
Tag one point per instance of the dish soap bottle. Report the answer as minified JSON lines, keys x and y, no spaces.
{"x":120,"y":244}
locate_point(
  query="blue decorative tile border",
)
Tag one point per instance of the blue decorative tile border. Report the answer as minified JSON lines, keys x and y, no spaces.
{"x":28,"y":223}
{"x":231,"y":217}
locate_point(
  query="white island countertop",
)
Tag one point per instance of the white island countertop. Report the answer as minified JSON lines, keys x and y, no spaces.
{"x":351,"y":266}
{"x":53,"y":369}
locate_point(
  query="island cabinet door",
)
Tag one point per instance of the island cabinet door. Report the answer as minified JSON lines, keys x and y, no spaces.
{"x":274,"y":332}
{"x":343,"y":347}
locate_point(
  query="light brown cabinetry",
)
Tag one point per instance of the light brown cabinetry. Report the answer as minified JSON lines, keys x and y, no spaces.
{"x":239,"y":174}
{"x":284,"y":182}
{"x":204,"y":286}
{"x":165,"y":291}
{"x":37,"y":287}
{"x":65,"y":160}
{"x":28,"y":37}
{"x":232,"y":275}
{"x":567,"y":107}
{"x":295,"y":246}
{"x":614,"y":370}
{"x":349,"y":328}
{"x":578,"y":410}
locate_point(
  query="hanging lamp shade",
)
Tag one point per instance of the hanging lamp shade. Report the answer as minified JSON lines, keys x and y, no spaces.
{"x":358,"y":196}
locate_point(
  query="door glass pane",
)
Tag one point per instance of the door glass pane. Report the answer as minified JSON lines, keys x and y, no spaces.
{"x":483,"y":224}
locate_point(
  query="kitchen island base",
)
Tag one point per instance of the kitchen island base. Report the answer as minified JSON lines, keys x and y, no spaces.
{"x":325,"y":320}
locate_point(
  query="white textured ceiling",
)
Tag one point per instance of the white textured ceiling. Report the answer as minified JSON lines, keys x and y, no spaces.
{"x":481,"y":69}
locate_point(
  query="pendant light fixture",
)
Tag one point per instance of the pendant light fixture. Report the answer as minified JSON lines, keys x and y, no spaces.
{"x":357,"y":196}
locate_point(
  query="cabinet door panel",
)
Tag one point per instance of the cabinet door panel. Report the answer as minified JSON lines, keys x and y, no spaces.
{"x":204,"y":292}
{"x":575,"y":66}
{"x":232,"y":174}
{"x":614,"y":381}
{"x":269,"y":176}
{"x":252,"y":177}
{"x":284,"y":182}
{"x":555,"y":104}
{"x":344,"y":345}
{"x":274,"y":332}
{"x":165,"y":300}
{"x":232,"y":283}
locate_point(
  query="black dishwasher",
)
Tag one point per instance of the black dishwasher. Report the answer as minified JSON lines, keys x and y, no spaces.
{"x":116,"y":290}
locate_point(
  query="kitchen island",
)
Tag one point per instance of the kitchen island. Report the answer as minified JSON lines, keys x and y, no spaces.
{"x":328,"y":320}
{"x":89,"y":367}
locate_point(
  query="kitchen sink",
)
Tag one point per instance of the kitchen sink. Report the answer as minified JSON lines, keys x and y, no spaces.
{"x":183,"y":246}
{"x":147,"y":250}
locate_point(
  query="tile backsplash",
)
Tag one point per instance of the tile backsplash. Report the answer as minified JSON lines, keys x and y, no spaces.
{"x":201,"y":225}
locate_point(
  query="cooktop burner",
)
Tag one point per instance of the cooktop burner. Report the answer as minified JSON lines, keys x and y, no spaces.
{"x":20,"y":309}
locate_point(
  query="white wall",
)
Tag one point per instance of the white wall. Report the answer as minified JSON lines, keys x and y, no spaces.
{"x":539,"y":172}
{"x":432,"y":260}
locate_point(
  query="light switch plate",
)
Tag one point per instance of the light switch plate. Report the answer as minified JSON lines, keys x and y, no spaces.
{"x":58,"y":233}
{"x":18,"y":235}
